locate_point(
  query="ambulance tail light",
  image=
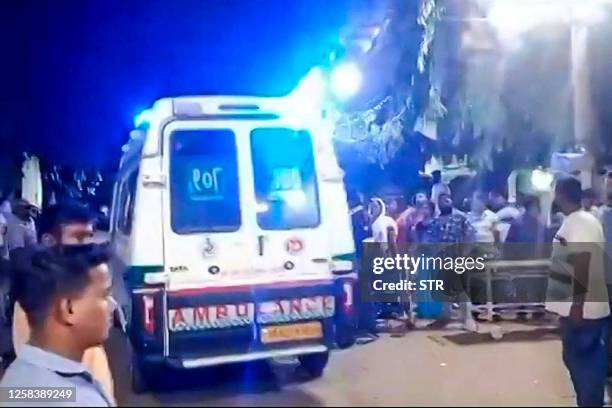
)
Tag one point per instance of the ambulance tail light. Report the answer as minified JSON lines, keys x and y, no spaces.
{"x":148,"y":313}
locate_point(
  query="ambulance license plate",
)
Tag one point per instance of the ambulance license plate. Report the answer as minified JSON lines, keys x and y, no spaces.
{"x":291,"y":332}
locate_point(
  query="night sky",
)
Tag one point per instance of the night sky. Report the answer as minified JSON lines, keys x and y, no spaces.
{"x":74,"y":73}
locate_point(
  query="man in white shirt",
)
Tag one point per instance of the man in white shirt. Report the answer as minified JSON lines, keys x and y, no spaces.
{"x":384,"y":228}
{"x":21,"y":229}
{"x":605,"y":217}
{"x":483,"y":220}
{"x":577,"y":293}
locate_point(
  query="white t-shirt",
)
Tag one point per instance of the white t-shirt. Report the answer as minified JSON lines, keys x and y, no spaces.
{"x":484,"y":224}
{"x":509,"y":213}
{"x":380,"y":228}
{"x":582,"y":231}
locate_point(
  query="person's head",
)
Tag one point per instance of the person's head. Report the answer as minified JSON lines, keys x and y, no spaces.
{"x":377,"y":208}
{"x":420,"y":199}
{"x":436,"y":176}
{"x":497,"y":200}
{"x":393,"y":206}
{"x":568,"y":195}
{"x":532,"y":206}
{"x":445,"y":204}
{"x":22,"y":209}
{"x":67,"y":224}
{"x":65,"y":293}
{"x":589,"y":198}
{"x":479,"y":202}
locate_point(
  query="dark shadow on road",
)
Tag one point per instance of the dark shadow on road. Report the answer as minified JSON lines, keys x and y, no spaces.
{"x":470,"y":339}
{"x":256,"y":383}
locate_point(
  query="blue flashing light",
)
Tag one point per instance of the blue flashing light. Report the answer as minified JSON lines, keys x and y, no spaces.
{"x":143,"y":118}
{"x":346,"y":80}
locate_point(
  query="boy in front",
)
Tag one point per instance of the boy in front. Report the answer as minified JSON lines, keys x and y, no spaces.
{"x":65,"y":224}
{"x":65,"y":293}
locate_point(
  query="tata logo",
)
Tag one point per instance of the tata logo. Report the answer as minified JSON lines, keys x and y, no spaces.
{"x":294,"y":245}
{"x":209,"y":248}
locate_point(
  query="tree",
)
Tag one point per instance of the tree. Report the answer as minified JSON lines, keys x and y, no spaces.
{"x":378,"y":133}
{"x":488,"y":94}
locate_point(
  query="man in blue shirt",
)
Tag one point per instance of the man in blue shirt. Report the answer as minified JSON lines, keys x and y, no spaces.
{"x":65,"y":293}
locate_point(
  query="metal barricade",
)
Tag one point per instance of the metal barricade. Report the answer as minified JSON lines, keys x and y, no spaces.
{"x":509,"y":287}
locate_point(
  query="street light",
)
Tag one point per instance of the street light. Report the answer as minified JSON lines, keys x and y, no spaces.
{"x":346,"y":80}
{"x":514,"y":17}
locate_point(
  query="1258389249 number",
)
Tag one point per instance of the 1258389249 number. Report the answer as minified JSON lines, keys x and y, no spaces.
{"x":37,"y":394}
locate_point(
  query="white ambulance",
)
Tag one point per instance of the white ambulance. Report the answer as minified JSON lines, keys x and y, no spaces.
{"x":229,"y":220}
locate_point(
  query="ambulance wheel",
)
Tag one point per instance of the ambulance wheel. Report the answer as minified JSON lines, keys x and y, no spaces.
{"x":314,"y":364}
{"x":345,"y":336}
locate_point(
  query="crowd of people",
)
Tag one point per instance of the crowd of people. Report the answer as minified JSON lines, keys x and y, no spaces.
{"x":486,"y":219}
{"x":583,"y":228}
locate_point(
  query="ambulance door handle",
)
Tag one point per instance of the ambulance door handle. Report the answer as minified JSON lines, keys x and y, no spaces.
{"x":260,"y":242}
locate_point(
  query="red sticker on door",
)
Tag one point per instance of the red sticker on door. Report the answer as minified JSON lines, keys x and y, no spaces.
{"x":294,"y":245}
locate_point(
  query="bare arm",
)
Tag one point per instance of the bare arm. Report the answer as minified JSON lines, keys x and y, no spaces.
{"x":496,"y":234}
{"x":580,"y":262}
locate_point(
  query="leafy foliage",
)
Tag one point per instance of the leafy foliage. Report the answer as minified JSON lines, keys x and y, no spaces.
{"x":378,"y":133}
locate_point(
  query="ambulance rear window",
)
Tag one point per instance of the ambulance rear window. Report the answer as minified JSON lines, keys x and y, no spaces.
{"x":204,"y":181}
{"x":285,"y":179}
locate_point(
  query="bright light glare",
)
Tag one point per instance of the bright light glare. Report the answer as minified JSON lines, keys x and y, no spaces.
{"x":590,"y":12}
{"x":309,"y":94}
{"x":294,"y":198}
{"x":262,"y":207}
{"x":143,"y":118}
{"x":514,"y":17}
{"x":365,"y":45}
{"x":542,"y":180}
{"x":346,"y":80}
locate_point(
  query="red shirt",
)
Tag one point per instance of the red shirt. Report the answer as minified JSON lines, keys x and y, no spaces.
{"x":406,"y":222}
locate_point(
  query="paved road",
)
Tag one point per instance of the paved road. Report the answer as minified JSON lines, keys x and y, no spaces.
{"x":422,"y":368}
